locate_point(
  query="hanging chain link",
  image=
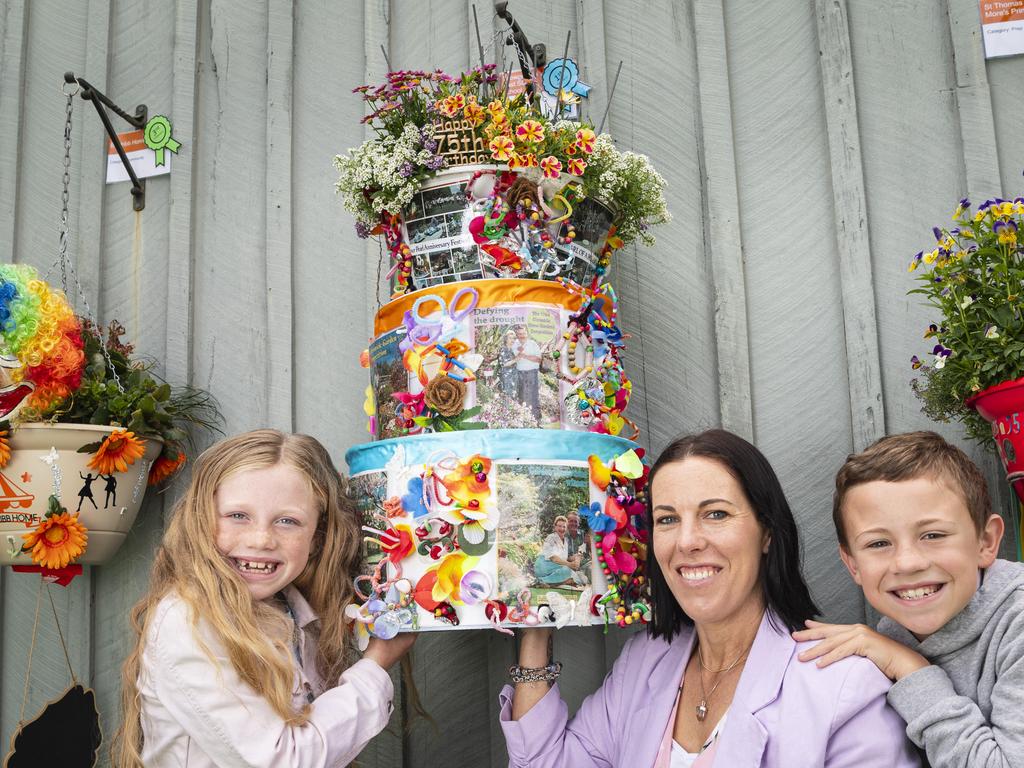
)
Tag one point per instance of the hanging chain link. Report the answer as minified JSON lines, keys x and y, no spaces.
{"x":62,"y":252}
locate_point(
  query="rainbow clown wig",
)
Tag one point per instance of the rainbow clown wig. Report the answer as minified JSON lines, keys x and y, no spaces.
{"x":40,"y":342}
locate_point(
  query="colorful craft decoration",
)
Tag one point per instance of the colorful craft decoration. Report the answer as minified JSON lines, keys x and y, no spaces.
{"x":496,"y":367}
{"x":41,"y":343}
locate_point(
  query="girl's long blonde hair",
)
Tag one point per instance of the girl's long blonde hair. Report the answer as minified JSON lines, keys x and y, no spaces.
{"x":256,"y":636}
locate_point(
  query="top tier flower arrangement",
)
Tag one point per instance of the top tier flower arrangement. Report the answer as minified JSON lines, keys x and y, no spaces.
{"x":465,"y":178}
{"x":73,"y":395}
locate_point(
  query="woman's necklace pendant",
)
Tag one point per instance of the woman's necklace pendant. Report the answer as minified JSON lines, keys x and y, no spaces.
{"x":702,"y":711}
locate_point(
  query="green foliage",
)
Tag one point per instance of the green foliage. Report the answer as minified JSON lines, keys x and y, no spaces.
{"x":974,"y":280}
{"x":147,"y":406}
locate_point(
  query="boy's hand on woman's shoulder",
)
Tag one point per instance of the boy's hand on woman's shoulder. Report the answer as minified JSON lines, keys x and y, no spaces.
{"x":841,"y":640}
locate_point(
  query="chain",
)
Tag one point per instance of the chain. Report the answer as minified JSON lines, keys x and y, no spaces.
{"x":62,"y":252}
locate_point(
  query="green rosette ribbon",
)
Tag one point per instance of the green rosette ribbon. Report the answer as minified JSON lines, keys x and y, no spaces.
{"x":158,"y":138}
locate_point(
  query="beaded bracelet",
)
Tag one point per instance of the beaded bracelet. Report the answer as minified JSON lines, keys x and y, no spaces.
{"x":548,"y":674}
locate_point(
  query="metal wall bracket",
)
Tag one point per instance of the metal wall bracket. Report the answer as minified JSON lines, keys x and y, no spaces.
{"x":138,"y":120}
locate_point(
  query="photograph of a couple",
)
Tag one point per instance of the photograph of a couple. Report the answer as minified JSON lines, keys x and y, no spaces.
{"x":516,"y":385}
{"x":543,"y":544}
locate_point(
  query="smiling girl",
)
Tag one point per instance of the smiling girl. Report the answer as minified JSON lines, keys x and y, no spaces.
{"x":242,"y":655}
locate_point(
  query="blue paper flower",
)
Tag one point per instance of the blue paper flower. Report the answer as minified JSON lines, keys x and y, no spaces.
{"x":412,"y":502}
{"x":596,"y":519}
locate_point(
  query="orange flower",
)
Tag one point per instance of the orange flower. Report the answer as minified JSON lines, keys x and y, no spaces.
{"x":57,"y":541}
{"x":163,"y":468}
{"x":5,"y":448}
{"x":118,"y":451}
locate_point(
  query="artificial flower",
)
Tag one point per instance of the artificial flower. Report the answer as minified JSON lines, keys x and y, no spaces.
{"x":501,"y":148}
{"x":397,"y":541}
{"x":449,"y":577}
{"x":57,"y":541}
{"x":117,"y":452}
{"x":596,"y":520}
{"x":445,"y":396}
{"x":530,"y":131}
{"x":164,"y":467}
{"x":393,"y":507}
{"x":552,"y":167}
{"x":412,"y":500}
{"x":5,"y":448}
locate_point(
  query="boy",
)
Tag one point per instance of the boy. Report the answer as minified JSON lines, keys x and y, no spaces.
{"x":916,"y":533}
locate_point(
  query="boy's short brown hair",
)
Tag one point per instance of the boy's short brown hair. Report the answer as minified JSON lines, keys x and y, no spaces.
{"x":909,"y":456}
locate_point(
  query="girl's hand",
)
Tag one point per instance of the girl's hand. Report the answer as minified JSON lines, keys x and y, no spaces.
{"x":387,"y":652}
{"x":841,"y":640}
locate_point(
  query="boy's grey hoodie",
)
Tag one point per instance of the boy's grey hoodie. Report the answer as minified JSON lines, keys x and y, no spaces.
{"x":967,"y":709}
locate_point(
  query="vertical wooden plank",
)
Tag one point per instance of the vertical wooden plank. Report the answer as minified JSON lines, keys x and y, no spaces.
{"x":13,"y":15}
{"x":852,"y":243}
{"x":974,"y":104}
{"x":12,"y":66}
{"x":40,"y":41}
{"x":724,"y":243}
{"x":178,"y":319}
{"x":88,"y":187}
{"x":230,"y":291}
{"x":131,"y":273}
{"x":801,"y":400}
{"x":279,"y":216}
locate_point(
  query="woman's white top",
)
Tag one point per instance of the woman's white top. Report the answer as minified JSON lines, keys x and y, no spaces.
{"x":555,"y":546}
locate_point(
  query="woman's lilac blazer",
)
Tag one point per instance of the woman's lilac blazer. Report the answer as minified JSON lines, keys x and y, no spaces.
{"x":785,"y":713}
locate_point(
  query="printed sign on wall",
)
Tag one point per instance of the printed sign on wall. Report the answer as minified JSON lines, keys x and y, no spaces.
{"x":1002,"y":27}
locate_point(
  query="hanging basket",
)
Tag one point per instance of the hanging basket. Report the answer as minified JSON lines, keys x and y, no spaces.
{"x":1003,"y":406}
{"x":108,"y":504}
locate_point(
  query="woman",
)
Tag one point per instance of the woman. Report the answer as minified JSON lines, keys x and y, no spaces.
{"x":554,"y":566}
{"x":715,"y":680}
{"x":508,"y":379}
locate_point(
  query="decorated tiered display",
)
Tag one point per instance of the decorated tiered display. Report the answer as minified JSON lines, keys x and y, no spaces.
{"x":503,"y":486}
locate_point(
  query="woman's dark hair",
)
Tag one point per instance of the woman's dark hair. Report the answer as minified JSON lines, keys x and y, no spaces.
{"x":785,"y":591}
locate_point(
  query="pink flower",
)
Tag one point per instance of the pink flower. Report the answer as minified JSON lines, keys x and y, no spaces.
{"x":576,"y":166}
{"x":552,"y":167}
{"x":585,"y":139}
{"x":530,"y":131}
{"x":501,"y":148}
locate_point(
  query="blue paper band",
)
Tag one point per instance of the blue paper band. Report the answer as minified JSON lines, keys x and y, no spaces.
{"x":497,"y":444}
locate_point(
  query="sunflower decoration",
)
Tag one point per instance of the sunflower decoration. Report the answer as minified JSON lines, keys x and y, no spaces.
{"x":117,"y":452}
{"x":58,"y":539}
{"x":165,"y":467}
{"x":5,"y":447}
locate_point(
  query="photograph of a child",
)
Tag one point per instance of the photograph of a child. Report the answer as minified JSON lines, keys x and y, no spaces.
{"x":543,"y":545}
{"x":517,"y":386}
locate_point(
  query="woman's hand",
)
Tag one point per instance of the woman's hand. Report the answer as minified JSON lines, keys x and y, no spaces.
{"x":387,"y":652}
{"x":841,"y":640}
{"x":533,"y":654}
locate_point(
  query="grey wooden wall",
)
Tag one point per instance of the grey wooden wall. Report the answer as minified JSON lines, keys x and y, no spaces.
{"x":809,"y":147}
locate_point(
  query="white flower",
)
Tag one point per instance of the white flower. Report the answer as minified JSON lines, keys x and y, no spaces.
{"x":966,"y":302}
{"x":940,"y":361}
{"x":992,"y":332}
